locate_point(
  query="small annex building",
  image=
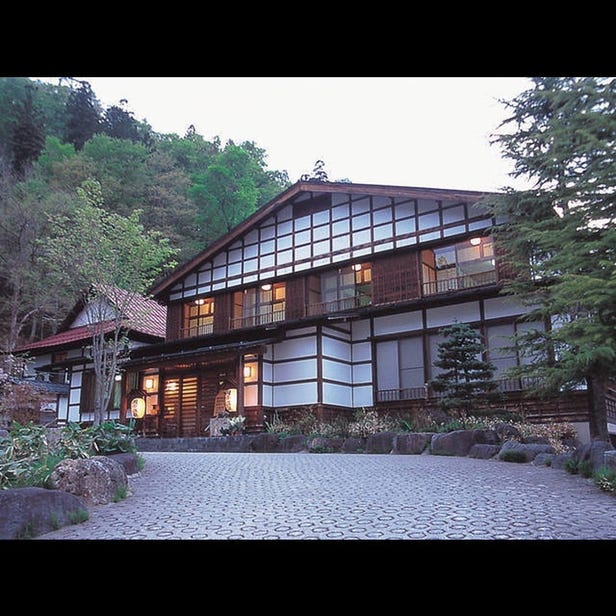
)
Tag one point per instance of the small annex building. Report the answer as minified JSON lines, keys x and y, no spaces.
{"x":61,"y":364}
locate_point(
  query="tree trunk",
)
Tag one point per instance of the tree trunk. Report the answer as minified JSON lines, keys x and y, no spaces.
{"x":598,"y":410}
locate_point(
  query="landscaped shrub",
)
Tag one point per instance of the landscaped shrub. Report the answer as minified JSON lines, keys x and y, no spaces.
{"x":512,"y":455}
{"x":28,"y":457}
{"x":585,"y":469}
{"x":571,"y":466}
{"x":605,"y":479}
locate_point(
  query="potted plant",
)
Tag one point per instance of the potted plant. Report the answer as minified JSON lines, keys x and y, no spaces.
{"x":235,"y":426}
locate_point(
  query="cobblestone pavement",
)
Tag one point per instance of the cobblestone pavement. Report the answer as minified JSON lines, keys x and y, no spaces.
{"x":348,"y":496}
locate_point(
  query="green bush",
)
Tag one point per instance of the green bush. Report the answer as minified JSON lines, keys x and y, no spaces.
{"x":571,"y":466}
{"x":605,"y":479}
{"x":512,"y":455}
{"x":585,"y":469}
{"x":27,"y":457}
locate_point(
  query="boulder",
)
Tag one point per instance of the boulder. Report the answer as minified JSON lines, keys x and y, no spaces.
{"x":354,"y":444}
{"x":460,"y":442}
{"x":507,"y":432}
{"x":128,"y":460}
{"x":29,"y":512}
{"x":295,"y":443}
{"x":265,"y":442}
{"x":544,"y":459}
{"x":98,"y":480}
{"x":592,"y":453}
{"x":483,"y":451}
{"x":381,"y":442}
{"x":412,"y":443}
{"x":530,"y":450}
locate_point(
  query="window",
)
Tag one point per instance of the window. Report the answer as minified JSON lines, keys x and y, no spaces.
{"x":344,"y":288}
{"x":259,"y":305}
{"x":198,"y":318}
{"x":400,"y":369}
{"x":458,"y":266}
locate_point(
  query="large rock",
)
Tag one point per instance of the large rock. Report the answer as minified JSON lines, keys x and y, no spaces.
{"x":412,"y":443}
{"x":381,"y":442}
{"x":483,"y":451}
{"x":98,"y":480}
{"x":560,"y":460}
{"x":460,"y":442}
{"x":295,"y":443}
{"x":592,"y":453}
{"x":529,"y":450}
{"x":354,"y":444}
{"x":507,"y":432}
{"x":128,"y":460}
{"x":266,"y":442}
{"x":29,"y":512}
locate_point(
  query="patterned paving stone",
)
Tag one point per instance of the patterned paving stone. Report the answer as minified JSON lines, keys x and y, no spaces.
{"x":202,"y":496}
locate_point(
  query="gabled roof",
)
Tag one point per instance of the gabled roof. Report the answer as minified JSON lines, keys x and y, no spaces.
{"x":293,"y":191}
{"x":147,"y":318}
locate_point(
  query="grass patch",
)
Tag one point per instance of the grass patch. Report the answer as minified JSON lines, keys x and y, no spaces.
{"x":78,"y":516}
{"x":120,"y":494}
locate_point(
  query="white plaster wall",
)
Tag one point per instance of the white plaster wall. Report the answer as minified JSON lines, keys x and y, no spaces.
{"x":360,"y":330}
{"x":446,"y":315}
{"x":337,"y":371}
{"x":294,"y":348}
{"x":295,"y":370}
{"x":496,"y":307}
{"x":340,"y":395}
{"x":268,"y":395}
{"x":295,"y":395}
{"x":336,"y":348}
{"x":362,"y":396}
{"x":362,"y":351}
{"x":362,"y":373}
{"x":396,"y":323}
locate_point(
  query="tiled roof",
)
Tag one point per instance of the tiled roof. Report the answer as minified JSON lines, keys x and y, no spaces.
{"x":144,"y":315}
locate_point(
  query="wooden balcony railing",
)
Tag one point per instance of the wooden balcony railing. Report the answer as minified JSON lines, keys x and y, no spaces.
{"x":425,"y":392}
{"x":258,"y":319}
{"x":460,"y":282}
{"x":338,"y":305}
{"x":196,"y":330}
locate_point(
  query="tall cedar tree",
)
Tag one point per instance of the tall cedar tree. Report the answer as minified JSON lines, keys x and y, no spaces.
{"x":559,"y":237}
{"x":83,"y":115}
{"x":466,"y":380}
{"x":27,"y":137}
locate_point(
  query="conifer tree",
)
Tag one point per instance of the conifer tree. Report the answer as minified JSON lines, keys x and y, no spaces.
{"x":559,"y":236}
{"x":83,"y":115}
{"x":27,"y":137}
{"x":466,"y":379}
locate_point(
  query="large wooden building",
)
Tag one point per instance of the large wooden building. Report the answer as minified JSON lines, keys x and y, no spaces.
{"x":332,"y":296}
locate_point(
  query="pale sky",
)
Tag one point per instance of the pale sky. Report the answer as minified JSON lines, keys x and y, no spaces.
{"x":407,"y":131}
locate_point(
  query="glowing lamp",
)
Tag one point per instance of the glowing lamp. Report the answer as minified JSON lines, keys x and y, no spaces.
{"x":475,"y":241}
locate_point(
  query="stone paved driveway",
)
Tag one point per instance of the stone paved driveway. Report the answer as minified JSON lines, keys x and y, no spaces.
{"x":346,"y":496}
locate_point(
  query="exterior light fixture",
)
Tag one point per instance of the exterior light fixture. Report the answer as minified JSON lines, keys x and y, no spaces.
{"x":357,"y":267}
{"x":118,"y":377}
{"x":199,"y":302}
{"x":266,"y":287}
{"x":475,"y":241}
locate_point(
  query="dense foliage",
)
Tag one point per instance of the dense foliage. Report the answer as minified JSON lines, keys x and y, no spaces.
{"x":560,"y":234}
{"x":55,"y":138}
{"x":29,"y":454}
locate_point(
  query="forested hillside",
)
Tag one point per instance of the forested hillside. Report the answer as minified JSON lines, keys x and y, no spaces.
{"x":53,"y":138}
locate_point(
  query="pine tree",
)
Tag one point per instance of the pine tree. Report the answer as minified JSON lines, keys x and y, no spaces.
{"x":560,"y":235}
{"x":466,"y":380}
{"x":83,"y":115}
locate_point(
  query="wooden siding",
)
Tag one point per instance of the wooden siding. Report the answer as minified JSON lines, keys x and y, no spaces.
{"x":295,"y":298}
{"x":222,"y":312}
{"x":175,"y":314}
{"x":395,"y":278}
